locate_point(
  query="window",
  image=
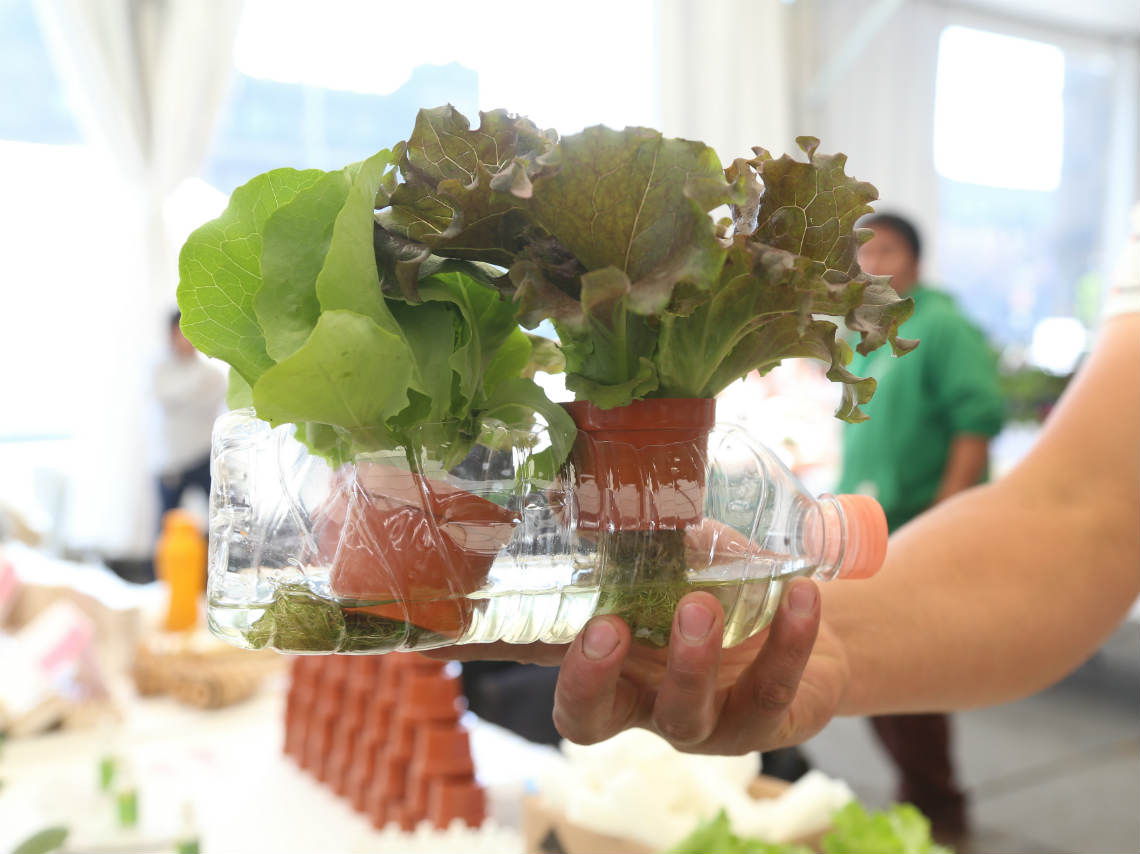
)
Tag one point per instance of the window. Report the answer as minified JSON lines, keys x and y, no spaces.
{"x":998,"y":110}
{"x":310,"y":91}
{"x":1023,"y":162}
{"x":34,"y":107}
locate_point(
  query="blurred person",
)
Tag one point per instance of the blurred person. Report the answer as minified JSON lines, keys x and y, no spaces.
{"x":931,"y":422}
{"x":993,"y":595}
{"x":191,"y":393}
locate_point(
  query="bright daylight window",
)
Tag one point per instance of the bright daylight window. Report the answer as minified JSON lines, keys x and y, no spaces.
{"x":1023,"y":168}
{"x":998,"y":110}
{"x":313,"y":91}
{"x":42,"y":161}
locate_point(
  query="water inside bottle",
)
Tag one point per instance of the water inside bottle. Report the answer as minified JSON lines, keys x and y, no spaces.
{"x":526,"y":600}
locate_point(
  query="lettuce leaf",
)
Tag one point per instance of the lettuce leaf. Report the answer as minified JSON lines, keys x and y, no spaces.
{"x":350,"y":373}
{"x":901,"y":829}
{"x":317,"y":342}
{"x":619,"y":200}
{"x":219,"y":272}
{"x":791,"y":259}
{"x":463,"y":189}
{"x":716,"y":835}
{"x":364,"y":302}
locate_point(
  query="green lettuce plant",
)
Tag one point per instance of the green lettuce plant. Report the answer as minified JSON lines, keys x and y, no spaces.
{"x":362,"y":303}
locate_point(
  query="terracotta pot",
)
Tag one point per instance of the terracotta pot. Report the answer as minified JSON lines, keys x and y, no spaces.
{"x":347,"y":740}
{"x":361,"y":775}
{"x":441,"y":751}
{"x":297,"y":712}
{"x":388,"y":790}
{"x":318,"y":739}
{"x":401,"y":737}
{"x":430,"y":697}
{"x":456,"y":799}
{"x":377,"y":722}
{"x":641,"y":466}
{"x":416,"y":544}
{"x":364,"y":673}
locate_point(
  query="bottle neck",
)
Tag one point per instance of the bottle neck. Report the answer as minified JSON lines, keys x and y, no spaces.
{"x":825,"y":537}
{"x":846,"y":537}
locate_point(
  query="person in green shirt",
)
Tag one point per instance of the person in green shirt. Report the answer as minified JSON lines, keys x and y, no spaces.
{"x":931,"y":421}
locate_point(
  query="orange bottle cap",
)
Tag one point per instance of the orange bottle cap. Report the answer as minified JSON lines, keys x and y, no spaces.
{"x":866,"y":536}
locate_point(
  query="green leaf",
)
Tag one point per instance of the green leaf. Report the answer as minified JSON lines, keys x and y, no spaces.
{"x":464,"y":188}
{"x":540,"y":299}
{"x":609,"y":395}
{"x":545,"y":356}
{"x":810,"y":209}
{"x":430,"y":330}
{"x":239,"y":394}
{"x":792,"y":259}
{"x":619,"y":199}
{"x":512,"y":358}
{"x":716,"y":836}
{"x":709,"y":836}
{"x":515,"y":402}
{"x":901,"y":829}
{"x":325,"y":441}
{"x":220,"y":272}
{"x":488,"y":323}
{"x":752,"y":321}
{"x":349,"y":280}
{"x":44,"y":842}
{"x":878,"y":316}
{"x":350,"y":374}
{"x":398,"y":261}
{"x":293,"y":250}
{"x":610,"y":357}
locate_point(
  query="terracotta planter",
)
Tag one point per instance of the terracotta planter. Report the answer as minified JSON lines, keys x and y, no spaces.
{"x":362,"y":774}
{"x":642,"y":466}
{"x":449,"y":800}
{"x":377,"y":723}
{"x":441,"y":751}
{"x":388,"y":790}
{"x":364,"y":673}
{"x":318,"y":739}
{"x":430,"y":697}
{"x":346,"y":742}
{"x":409,"y":546}
{"x":401,"y":738}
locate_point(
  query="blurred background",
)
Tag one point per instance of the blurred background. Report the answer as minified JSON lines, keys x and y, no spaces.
{"x":1005,"y":129}
{"x":1008,"y":131}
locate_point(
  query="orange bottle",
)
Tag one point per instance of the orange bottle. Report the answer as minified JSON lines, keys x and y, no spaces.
{"x":180,"y":561}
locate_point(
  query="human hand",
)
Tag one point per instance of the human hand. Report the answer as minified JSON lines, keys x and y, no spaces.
{"x":777,"y":688}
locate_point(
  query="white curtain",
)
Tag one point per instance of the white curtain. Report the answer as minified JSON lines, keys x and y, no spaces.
{"x":723,"y":70}
{"x":877,"y":106}
{"x":146,"y":79}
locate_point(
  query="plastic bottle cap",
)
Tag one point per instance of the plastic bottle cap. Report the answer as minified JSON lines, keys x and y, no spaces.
{"x":866,"y":536}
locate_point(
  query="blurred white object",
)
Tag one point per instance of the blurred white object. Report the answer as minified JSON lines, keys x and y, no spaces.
{"x":637,"y":786}
{"x":1058,"y":343}
{"x":41,"y":666}
{"x":973,"y":106}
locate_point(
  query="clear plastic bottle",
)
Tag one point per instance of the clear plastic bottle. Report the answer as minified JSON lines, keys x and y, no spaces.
{"x":406,"y":550}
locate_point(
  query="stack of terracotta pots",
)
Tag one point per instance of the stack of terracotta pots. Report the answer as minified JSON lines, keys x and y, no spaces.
{"x":384,"y":732}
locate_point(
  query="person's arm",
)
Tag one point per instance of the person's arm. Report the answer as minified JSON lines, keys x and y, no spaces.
{"x":966,"y":463}
{"x":1002,"y":590}
{"x":992,"y":595}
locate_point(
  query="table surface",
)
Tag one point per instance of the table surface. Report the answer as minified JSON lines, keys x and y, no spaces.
{"x":226,"y":767}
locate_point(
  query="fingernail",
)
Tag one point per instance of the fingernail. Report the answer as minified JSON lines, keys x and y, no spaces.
{"x":695,"y":622}
{"x":801,"y":599}
{"x":600,"y":640}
